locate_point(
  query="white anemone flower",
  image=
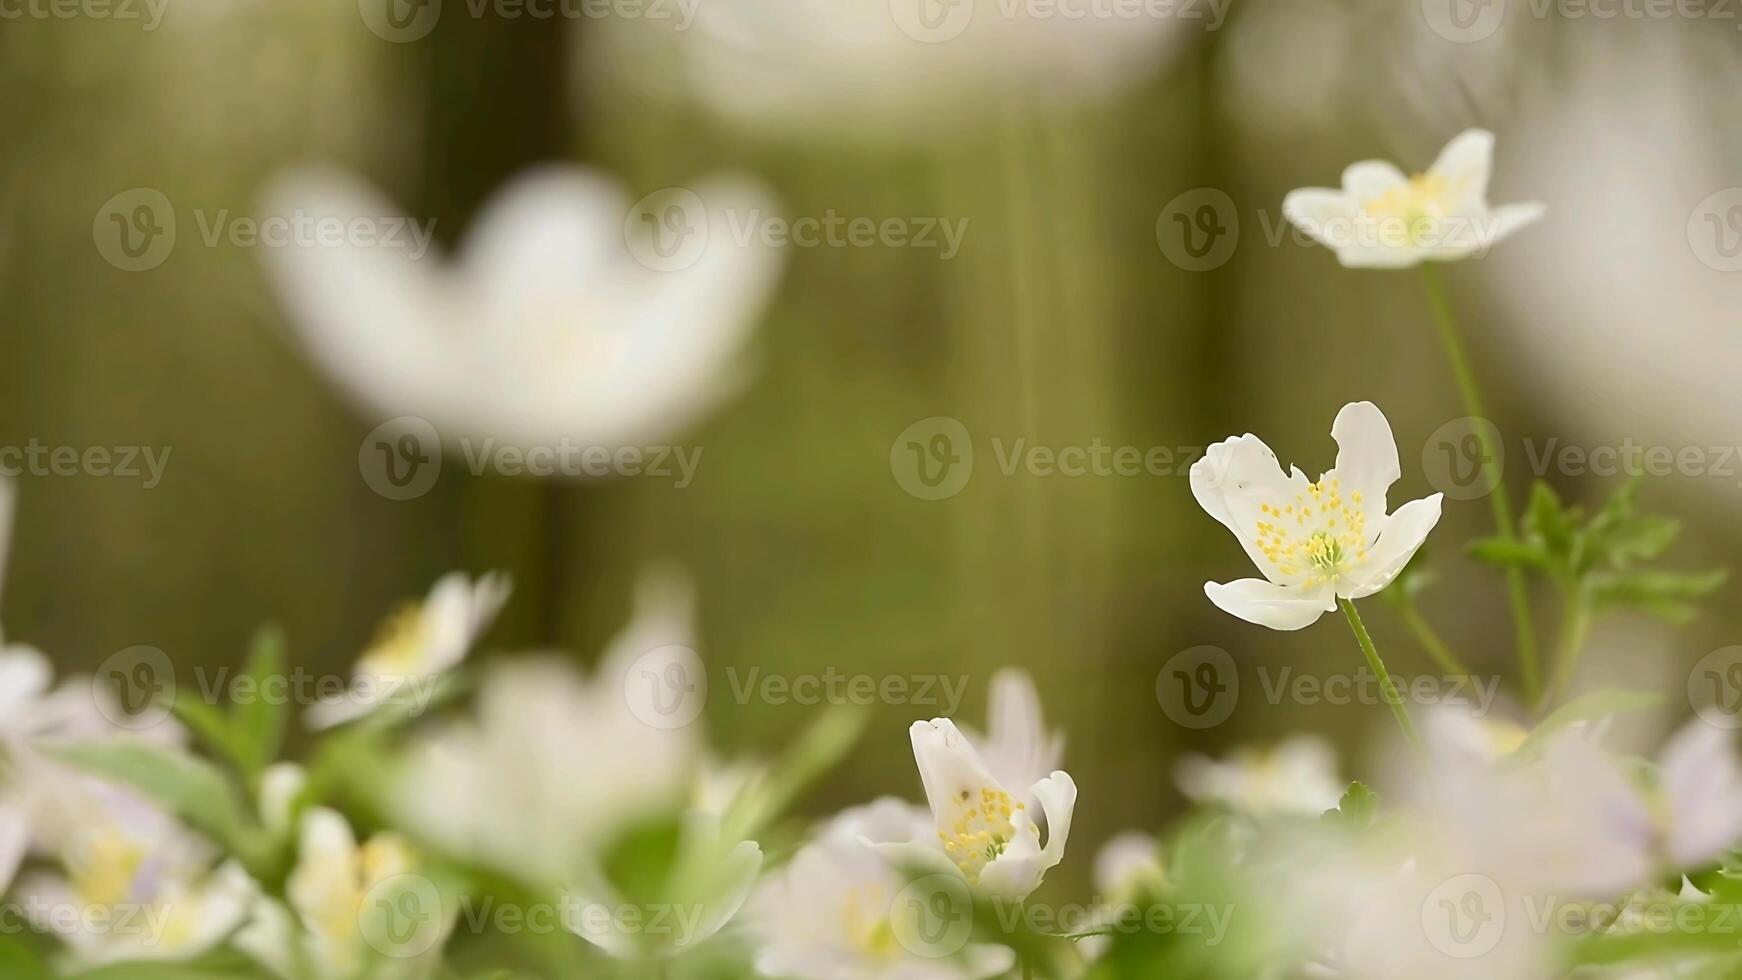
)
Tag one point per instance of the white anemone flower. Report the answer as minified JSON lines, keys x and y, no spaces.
{"x":554,"y":762}
{"x":1298,"y":776}
{"x":987,"y":834}
{"x":836,"y":910}
{"x":1315,"y":542}
{"x":1381,"y":219}
{"x":416,"y":646}
{"x":322,"y":932}
{"x":550,"y":329}
{"x":132,"y":883}
{"x":1017,"y":747}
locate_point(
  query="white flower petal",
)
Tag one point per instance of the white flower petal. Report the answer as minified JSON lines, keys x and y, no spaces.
{"x":24,"y":675}
{"x":1024,"y":863}
{"x":1400,"y":537}
{"x":1267,"y":604}
{"x":1017,"y":748}
{"x":1371,"y":178}
{"x":1363,"y":256}
{"x":1327,"y":216}
{"x":1702,"y":782}
{"x":1233,"y":480}
{"x":1366,"y":458}
{"x":14,"y":840}
{"x":1465,"y":164}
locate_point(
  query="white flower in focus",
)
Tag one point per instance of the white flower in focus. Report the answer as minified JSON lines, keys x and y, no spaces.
{"x":1298,"y":776}
{"x":1314,"y":542}
{"x":132,"y":883}
{"x":1381,"y":219}
{"x":416,"y":646}
{"x":554,"y":762}
{"x":547,"y":331}
{"x":324,"y":935}
{"x":1017,"y":748}
{"x":834,"y":910}
{"x":987,"y":833}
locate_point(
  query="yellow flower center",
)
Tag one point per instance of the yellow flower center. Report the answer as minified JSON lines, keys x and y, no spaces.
{"x":102,"y":870}
{"x":399,"y":643}
{"x":983,"y":829}
{"x":1417,"y":206}
{"x":1321,"y":534}
{"x":868,"y":926}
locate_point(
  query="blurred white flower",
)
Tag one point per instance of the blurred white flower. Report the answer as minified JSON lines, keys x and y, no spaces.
{"x":988,"y":836}
{"x":1297,"y":776}
{"x":550,"y":329}
{"x":836,"y":910}
{"x":1381,"y":219}
{"x":416,"y":646}
{"x":555,"y":762}
{"x":891,"y":67}
{"x":1314,"y":542}
{"x":1129,"y":865}
{"x":132,"y":883}
{"x":1700,"y":794}
{"x":1016,"y":747}
{"x":321,"y":934}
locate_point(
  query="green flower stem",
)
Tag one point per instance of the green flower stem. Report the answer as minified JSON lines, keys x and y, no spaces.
{"x":1524,"y":632}
{"x":1386,"y":686}
{"x":1575,"y":629}
{"x":1430,"y":640}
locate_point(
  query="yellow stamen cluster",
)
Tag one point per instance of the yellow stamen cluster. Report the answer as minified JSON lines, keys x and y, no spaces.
{"x":103,"y":869}
{"x":981,"y":832}
{"x":869,"y":929}
{"x":1322,"y":537}
{"x":1418,"y":205}
{"x":399,"y":643}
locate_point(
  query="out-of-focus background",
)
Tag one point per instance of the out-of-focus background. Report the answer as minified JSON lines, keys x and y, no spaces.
{"x":1093,"y":301}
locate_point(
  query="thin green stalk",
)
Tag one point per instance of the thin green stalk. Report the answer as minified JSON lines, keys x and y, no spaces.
{"x":1570,"y":647}
{"x":1386,"y":686}
{"x":1524,"y":632}
{"x":1430,"y":640}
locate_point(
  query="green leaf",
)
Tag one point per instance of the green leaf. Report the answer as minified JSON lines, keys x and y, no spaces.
{"x":1510,"y":551}
{"x":188,"y":786}
{"x":1662,"y":593}
{"x":260,"y":724}
{"x":1357,"y":808}
{"x":161,"y":971}
{"x":1596,"y":705}
{"x":211,"y":726}
{"x":1548,"y":520}
{"x":17,"y":962}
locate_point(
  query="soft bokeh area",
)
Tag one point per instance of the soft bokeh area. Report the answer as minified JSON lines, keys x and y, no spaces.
{"x":1004,"y":237}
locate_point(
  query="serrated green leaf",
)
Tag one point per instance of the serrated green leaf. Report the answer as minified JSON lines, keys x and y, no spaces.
{"x":1510,"y":551}
{"x":1665,"y":594}
{"x":1357,"y":808}
{"x":1593,"y":706}
{"x":1547,"y":520}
